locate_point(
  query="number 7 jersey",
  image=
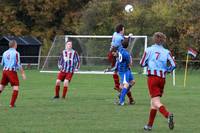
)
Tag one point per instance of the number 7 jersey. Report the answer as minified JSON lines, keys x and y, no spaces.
{"x":158,"y":60}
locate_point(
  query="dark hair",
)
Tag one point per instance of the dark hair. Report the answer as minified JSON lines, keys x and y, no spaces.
{"x":119,"y":28}
{"x":113,"y":49}
{"x":125,"y":42}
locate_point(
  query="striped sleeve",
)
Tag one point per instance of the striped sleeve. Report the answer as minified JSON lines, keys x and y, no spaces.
{"x":18,"y":60}
{"x":143,"y":61}
{"x":77,"y":61}
{"x":172,"y":63}
{"x":2,"y":62}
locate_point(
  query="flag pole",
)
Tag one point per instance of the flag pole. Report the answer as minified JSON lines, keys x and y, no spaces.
{"x":186,"y":67}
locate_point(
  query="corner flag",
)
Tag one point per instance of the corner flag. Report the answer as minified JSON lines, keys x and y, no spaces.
{"x":193,"y":53}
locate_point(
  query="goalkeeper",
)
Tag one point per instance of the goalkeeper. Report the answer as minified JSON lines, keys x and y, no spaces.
{"x":68,"y":63}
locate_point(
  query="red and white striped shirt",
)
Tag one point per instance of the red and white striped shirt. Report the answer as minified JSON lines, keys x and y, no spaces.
{"x":69,"y":61}
{"x":156,"y":59}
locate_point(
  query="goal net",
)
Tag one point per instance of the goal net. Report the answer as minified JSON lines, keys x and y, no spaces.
{"x":93,"y":51}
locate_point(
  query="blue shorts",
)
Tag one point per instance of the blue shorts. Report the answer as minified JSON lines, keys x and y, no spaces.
{"x":126,"y":77}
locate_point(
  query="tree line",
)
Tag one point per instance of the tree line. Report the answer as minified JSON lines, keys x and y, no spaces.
{"x":178,"y":19}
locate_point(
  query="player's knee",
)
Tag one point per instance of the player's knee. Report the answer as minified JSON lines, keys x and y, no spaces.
{"x":156,"y":104}
{"x":58,"y":82}
{"x":126,"y":85}
{"x":66,"y":82}
{"x":16,"y":88}
{"x":133,"y":82}
{"x":1,"y":87}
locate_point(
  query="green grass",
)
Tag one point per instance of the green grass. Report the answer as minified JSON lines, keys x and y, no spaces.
{"x":89,"y":107}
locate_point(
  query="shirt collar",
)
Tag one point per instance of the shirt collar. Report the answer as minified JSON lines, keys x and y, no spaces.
{"x":12,"y":48}
{"x":158,"y":45}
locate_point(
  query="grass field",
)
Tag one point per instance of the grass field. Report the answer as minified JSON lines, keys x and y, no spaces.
{"x":90,"y":106}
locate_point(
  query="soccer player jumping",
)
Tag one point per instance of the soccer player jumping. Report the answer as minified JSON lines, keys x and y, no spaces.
{"x":156,"y":58}
{"x":117,"y":38}
{"x":68,"y":63}
{"x":11,"y":63}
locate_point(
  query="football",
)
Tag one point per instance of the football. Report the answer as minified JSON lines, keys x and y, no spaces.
{"x":128,"y":8}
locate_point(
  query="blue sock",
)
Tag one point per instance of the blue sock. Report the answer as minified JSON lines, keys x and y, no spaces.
{"x":122,"y":95}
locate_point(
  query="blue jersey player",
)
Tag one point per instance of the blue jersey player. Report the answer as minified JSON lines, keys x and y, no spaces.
{"x":126,"y":77}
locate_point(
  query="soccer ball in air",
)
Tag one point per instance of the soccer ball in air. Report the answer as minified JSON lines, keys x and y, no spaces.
{"x":128,"y":8}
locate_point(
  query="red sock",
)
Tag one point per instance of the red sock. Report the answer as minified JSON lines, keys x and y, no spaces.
{"x":116,"y":80}
{"x":14,"y":97}
{"x":152,"y":116}
{"x":64,"y":92}
{"x":57,"y":89}
{"x":129,"y":96}
{"x":163,"y":111}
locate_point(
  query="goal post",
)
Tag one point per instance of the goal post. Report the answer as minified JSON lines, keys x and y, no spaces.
{"x":93,"y":51}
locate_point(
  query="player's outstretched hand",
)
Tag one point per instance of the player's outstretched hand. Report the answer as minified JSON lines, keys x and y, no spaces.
{"x":76,"y":70}
{"x":107,"y":70}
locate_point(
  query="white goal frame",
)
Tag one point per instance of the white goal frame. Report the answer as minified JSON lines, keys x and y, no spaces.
{"x":90,"y":36}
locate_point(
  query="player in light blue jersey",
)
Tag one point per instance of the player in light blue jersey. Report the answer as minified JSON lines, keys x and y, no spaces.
{"x":157,"y":59}
{"x":11,"y":63}
{"x":126,"y":77}
{"x":117,"y":38}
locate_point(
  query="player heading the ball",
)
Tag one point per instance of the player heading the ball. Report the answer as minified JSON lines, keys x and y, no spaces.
{"x":117,"y":39}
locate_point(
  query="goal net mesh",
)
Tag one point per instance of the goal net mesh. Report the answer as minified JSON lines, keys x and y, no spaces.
{"x":93,"y":51}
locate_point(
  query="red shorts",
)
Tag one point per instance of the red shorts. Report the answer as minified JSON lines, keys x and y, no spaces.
{"x":156,"y":86}
{"x":112,"y":59}
{"x":10,"y":76}
{"x":64,"y":75}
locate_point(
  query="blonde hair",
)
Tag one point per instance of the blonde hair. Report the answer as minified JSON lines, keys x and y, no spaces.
{"x":160,"y":35}
{"x":12,"y":43}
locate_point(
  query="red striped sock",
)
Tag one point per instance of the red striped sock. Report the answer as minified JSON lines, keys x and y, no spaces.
{"x":64,"y":92}
{"x":14,"y":97}
{"x":152,"y":116}
{"x":57,"y":89}
{"x":116,"y":80}
{"x":129,"y":96}
{"x":164,"y":111}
